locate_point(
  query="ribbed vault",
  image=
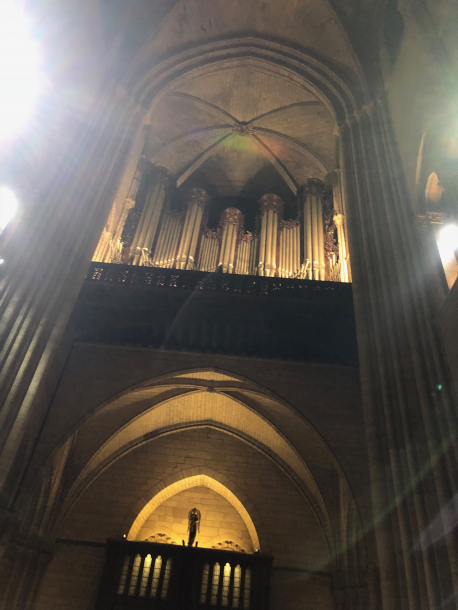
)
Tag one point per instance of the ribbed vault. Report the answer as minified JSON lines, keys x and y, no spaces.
{"x":245,"y":128}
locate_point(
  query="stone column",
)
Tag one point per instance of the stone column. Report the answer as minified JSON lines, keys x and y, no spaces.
{"x":60,"y":232}
{"x":195,"y":202}
{"x":230,"y":224}
{"x":411,"y":425}
{"x":270,"y":211}
{"x":313,"y":229}
{"x":158,"y":194}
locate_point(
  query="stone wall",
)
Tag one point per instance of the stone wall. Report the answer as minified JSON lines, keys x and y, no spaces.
{"x":219,"y":519}
{"x":326,"y":396}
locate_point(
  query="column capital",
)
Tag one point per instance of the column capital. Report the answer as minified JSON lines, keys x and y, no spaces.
{"x":270,"y":202}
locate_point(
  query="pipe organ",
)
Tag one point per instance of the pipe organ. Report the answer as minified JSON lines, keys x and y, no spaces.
{"x":231,"y":223}
{"x":311,"y":246}
{"x":289,"y":248}
{"x":196,"y":202}
{"x":208,"y":254}
{"x":270,"y":211}
{"x":167,"y":243}
{"x":314,"y":230}
{"x":246,"y":255}
{"x":149,"y":219}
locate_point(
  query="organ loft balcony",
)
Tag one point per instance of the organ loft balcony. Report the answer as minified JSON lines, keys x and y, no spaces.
{"x":196,"y":311}
{"x":177,"y":268}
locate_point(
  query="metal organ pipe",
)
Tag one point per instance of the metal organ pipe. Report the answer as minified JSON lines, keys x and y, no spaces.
{"x":147,"y":226}
{"x":231,"y":222}
{"x":196,"y":201}
{"x":321,"y":263}
{"x":289,"y":248}
{"x":270,"y":211}
{"x":313,"y":229}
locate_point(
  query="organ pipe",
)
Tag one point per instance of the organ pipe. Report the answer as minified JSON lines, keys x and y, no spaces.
{"x":230,"y":225}
{"x":208,"y":254}
{"x":313,"y":230}
{"x":246,"y":254}
{"x":270,"y":211}
{"x":196,"y":201}
{"x":146,"y":230}
{"x":289,"y":250}
{"x":275,"y":250}
{"x":166,"y":247}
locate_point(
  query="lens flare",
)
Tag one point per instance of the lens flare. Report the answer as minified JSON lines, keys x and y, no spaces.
{"x":448,"y":242}
{"x":8,"y":206}
{"x":19,"y":68}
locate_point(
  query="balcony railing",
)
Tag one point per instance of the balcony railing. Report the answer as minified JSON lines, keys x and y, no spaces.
{"x":216,"y":282}
{"x":140,"y":575}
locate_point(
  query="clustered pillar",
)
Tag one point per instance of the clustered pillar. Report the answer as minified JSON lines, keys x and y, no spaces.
{"x":146,"y":230}
{"x":411,"y":422}
{"x":231,"y":222}
{"x":270,"y":211}
{"x":196,"y":201}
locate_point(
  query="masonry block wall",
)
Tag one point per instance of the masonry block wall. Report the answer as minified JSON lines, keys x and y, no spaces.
{"x":220,"y":521}
{"x":288,"y":529}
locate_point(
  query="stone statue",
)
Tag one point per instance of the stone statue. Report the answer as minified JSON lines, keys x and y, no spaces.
{"x":193,"y":525}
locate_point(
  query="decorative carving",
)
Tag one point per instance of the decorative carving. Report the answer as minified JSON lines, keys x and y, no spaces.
{"x":330,"y":243}
{"x":198,"y":196}
{"x":247,"y":236}
{"x":129,"y":229}
{"x":315,"y":187}
{"x":210,"y":233}
{"x":243,"y":129}
{"x":289,"y":224}
{"x":228,"y":545}
{"x":232,"y":216}
{"x":270,"y":202}
{"x":338,"y":220}
{"x":129,"y":203}
{"x":161,"y":538}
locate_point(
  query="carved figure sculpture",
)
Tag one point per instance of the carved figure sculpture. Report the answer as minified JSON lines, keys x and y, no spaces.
{"x":193,"y":525}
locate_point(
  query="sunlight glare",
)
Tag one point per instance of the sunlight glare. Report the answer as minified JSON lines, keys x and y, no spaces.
{"x":448,"y":242}
{"x":8,"y":206}
{"x":19,"y":68}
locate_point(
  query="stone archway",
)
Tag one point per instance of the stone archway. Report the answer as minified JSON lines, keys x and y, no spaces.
{"x":185,"y":481}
